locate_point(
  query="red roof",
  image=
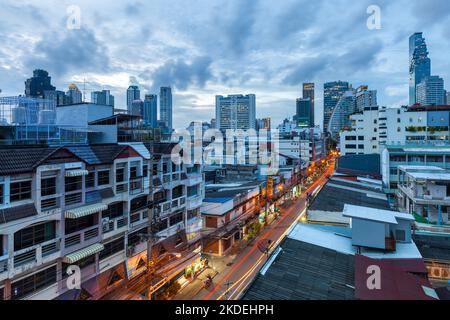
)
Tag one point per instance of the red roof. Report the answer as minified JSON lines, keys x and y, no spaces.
{"x":396,"y":281}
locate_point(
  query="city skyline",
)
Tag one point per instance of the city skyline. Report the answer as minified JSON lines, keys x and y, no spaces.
{"x":194,"y":63}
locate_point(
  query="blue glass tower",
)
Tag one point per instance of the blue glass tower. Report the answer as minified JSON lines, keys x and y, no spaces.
{"x":150,"y":111}
{"x":420,"y":64}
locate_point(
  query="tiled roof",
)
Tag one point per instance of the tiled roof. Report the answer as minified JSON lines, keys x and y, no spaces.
{"x":16,"y":213}
{"x":98,"y":154}
{"x":20,"y":160}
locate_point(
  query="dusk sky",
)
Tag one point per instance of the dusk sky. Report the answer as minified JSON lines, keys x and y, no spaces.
{"x":206,"y":47}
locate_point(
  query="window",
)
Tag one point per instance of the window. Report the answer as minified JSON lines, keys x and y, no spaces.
{"x":37,"y":281}
{"x":73,"y":183}
{"x":115,"y":210}
{"x":177,"y":192}
{"x":112,"y":248}
{"x":177,"y":218}
{"x":135,"y":237}
{"x":350,"y":138}
{"x":103,"y":177}
{"x":192,"y":191}
{"x":155,"y":169}
{"x":350,"y":146}
{"x":74,"y":225}
{"x":193,"y":213}
{"x":160,"y":226}
{"x":120,"y":175}
{"x":138,"y":204}
{"x":34,"y":235}
{"x":145,"y":170}
{"x":90,"y":180}
{"x":133,"y":172}
{"x":1,"y":194}
{"x":48,"y":187}
{"x":360,"y":138}
{"x":20,"y":191}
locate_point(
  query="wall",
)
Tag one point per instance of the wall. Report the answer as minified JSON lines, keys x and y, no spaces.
{"x":368,"y":233}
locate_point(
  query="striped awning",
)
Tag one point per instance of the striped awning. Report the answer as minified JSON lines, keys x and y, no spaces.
{"x":83,"y":253}
{"x":84,"y":211}
{"x":76,"y":173}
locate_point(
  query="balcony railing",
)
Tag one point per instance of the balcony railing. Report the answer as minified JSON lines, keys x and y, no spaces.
{"x":50,"y":203}
{"x":73,"y":198}
{"x":115,"y":224}
{"x":35,"y":253}
{"x":80,"y":237}
{"x":136,"y":185}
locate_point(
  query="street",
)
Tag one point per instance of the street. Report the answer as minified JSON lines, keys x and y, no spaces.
{"x":236,"y":273}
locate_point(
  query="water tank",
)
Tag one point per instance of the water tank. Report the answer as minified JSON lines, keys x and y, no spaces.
{"x":47,"y":117}
{"x":19,"y":115}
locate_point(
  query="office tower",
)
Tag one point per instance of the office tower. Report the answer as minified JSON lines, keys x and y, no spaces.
{"x":74,"y":95}
{"x":137,"y":107}
{"x":447,"y":97}
{"x":236,"y":112}
{"x":419,"y":64}
{"x":38,"y":84}
{"x":58,"y":97}
{"x":165,"y":106}
{"x":150,"y":112}
{"x":430,"y":91}
{"x":303,"y":115}
{"x":133,"y":93}
{"x":308,"y":92}
{"x":340,"y":119}
{"x":365,"y":99}
{"x":332,"y":93}
{"x":103,"y":97}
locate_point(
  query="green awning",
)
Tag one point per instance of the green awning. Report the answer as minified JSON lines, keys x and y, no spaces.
{"x":85,"y":211}
{"x":83,"y":253}
{"x":76,"y":173}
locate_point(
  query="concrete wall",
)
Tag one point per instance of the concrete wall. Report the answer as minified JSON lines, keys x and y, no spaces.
{"x":368,"y":233}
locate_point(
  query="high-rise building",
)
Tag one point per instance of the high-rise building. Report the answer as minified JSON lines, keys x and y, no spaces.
{"x":447,"y":97}
{"x":38,"y":84}
{"x":150,"y":111}
{"x":137,"y":107}
{"x":74,"y":95}
{"x":236,"y":112}
{"x":419,"y":64}
{"x":332,"y":93}
{"x":263,"y":124}
{"x":365,"y":99}
{"x":57,"y":96}
{"x":165,"y":106}
{"x":430,"y":91}
{"x":133,"y":93}
{"x":308,"y":92}
{"x":103,"y":97}
{"x":340,"y":119}
{"x":303,"y":115}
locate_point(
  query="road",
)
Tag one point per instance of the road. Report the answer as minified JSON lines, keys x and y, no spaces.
{"x":231,"y":282}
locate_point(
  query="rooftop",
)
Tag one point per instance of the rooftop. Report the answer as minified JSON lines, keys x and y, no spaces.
{"x":373,"y":214}
{"x":336,"y":193}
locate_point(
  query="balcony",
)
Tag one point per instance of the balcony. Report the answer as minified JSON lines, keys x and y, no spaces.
{"x":81,"y":239}
{"x":194,"y":202}
{"x":136,"y":186}
{"x":73,"y":199}
{"x":194,"y":179}
{"x":114,"y":225}
{"x":36,"y":254}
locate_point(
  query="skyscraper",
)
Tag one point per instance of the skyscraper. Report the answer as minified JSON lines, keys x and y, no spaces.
{"x":303,"y":116}
{"x":165,"y":106}
{"x":150,"y":112}
{"x":365,"y":99}
{"x":447,"y":96}
{"x":133,"y":93}
{"x":236,"y":112}
{"x":430,"y":91}
{"x":308,"y":92}
{"x":74,"y":95}
{"x":332,"y":93}
{"x":137,"y":107}
{"x":340,"y":119}
{"x":419,"y":64}
{"x":38,"y":84}
{"x":103,"y":97}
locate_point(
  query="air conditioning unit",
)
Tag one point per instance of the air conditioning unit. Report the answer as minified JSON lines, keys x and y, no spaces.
{"x":105,"y":221}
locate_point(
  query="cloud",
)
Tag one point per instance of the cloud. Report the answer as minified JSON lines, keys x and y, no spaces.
{"x":75,"y":50}
{"x":181,"y":74}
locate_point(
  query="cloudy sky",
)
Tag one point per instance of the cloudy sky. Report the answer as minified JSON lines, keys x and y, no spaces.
{"x":206,"y":47}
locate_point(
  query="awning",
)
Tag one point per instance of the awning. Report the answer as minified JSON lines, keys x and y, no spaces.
{"x":76,"y":173}
{"x":83,"y":253}
{"x":84,"y":211}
